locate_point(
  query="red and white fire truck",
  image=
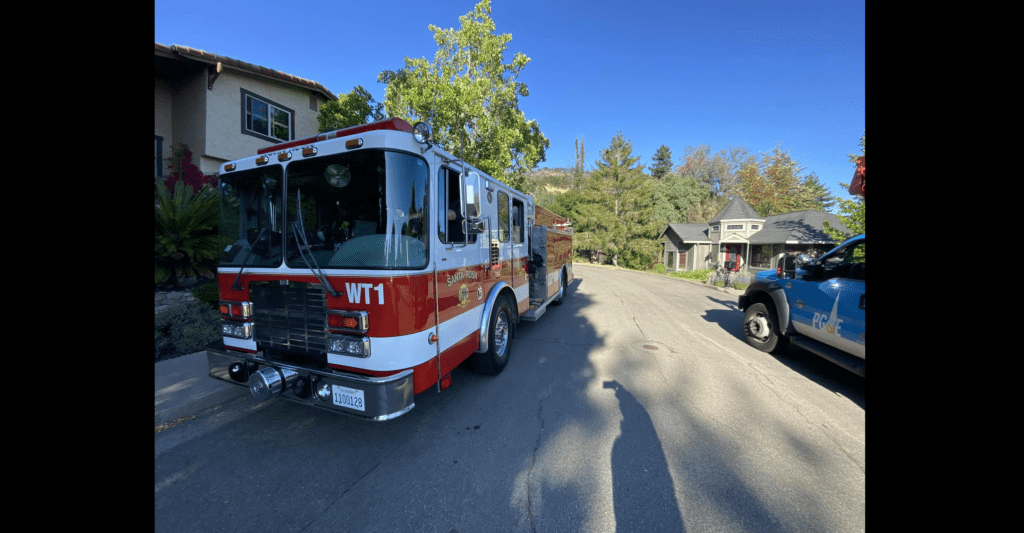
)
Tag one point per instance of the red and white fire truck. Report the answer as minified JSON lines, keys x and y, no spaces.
{"x":366,"y":263}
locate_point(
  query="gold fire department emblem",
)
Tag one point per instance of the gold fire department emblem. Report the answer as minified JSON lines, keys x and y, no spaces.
{"x":463,"y":295}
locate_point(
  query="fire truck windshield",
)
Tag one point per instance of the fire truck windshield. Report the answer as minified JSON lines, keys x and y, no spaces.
{"x":250,"y":217}
{"x":360,"y":210}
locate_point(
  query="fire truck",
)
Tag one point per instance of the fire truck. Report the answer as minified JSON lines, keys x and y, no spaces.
{"x":363,"y":265}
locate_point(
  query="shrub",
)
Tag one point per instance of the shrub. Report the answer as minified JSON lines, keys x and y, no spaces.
{"x":659,"y":269}
{"x":739,"y":282}
{"x":185,"y":328}
{"x":188,"y":172}
{"x":692,"y":275}
{"x":207,"y":292}
{"x":186,"y":242}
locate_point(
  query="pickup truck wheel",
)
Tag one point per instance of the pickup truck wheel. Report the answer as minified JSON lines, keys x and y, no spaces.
{"x":761,"y":327}
{"x":499,"y":345}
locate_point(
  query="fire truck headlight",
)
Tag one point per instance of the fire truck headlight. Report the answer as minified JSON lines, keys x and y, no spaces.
{"x":238,"y":330}
{"x":344,"y":344}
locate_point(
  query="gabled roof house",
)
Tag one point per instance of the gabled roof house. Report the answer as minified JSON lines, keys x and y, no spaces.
{"x":738,"y":235}
{"x":223,"y":108}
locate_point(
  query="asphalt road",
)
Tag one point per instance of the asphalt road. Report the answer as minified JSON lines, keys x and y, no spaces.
{"x":635,"y":406}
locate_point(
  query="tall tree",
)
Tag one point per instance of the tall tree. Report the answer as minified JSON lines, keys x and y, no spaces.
{"x":717,"y":174}
{"x":620,"y":211}
{"x":813,"y":195}
{"x":470,"y":98}
{"x":352,"y":109}
{"x":772,"y":186}
{"x":579,"y":165}
{"x":662,"y":162}
{"x":678,"y":199}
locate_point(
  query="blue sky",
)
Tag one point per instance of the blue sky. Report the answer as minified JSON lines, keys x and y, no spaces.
{"x":751,"y":74}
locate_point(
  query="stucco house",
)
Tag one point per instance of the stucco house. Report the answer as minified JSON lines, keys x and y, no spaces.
{"x":223,"y":108}
{"x":738,"y":233}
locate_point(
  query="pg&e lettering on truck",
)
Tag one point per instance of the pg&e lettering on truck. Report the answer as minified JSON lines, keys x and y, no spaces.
{"x":367,"y":263}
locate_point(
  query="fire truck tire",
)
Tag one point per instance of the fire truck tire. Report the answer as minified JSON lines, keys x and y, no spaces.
{"x":499,"y":347}
{"x":562,"y":289}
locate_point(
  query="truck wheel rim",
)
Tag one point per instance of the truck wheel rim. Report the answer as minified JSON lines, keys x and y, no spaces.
{"x":757,"y":328}
{"x":501,"y":334}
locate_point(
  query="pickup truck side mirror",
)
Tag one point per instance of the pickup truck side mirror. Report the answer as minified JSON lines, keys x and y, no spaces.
{"x":805,"y":266}
{"x":792,"y":266}
{"x":786,"y":268}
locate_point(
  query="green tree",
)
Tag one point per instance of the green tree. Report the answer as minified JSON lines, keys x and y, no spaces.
{"x":852,"y":214}
{"x":578,"y":169}
{"x":717,"y":174}
{"x":470,"y":98}
{"x":619,"y":208}
{"x":677,"y":199}
{"x":813,"y":195}
{"x":662,"y":163}
{"x":773,"y":185}
{"x":352,"y":109}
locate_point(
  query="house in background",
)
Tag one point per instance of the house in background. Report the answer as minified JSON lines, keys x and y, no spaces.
{"x":738,"y":234}
{"x":224,"y":109}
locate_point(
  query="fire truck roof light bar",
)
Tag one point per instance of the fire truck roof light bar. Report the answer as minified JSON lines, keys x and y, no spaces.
{"x":394,"y":124}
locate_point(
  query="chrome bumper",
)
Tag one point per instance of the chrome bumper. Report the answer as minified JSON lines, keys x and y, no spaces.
{"x":383,"y":398}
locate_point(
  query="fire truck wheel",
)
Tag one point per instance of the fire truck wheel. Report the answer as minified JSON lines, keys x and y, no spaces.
{"x":493,"y":361}
{"x":562,"y":289}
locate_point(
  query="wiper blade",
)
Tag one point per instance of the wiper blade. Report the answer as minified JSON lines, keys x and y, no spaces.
{"x":300,"y":240}
{"x":236,"y":286}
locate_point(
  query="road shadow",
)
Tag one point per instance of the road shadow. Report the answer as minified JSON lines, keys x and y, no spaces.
{"x":643,"y":490}
{"x":818,"y":369}
{"x":482,"y":443}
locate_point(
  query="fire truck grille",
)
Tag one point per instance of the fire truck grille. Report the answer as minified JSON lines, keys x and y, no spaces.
{"x":289,"y":317}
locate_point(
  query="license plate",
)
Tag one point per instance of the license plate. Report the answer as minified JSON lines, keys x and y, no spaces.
{"x":346,"y":397}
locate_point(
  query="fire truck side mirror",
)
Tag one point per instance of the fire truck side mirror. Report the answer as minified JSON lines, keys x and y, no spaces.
{"x":471,"y":184}
{"x":475,"y":226}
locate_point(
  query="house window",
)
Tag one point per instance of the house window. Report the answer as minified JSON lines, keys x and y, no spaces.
{"x":159,"y":156}
{"x":266,"y":119}
{"x":754,"y":227}
{"x":734,"y":226}
{"x":761,"y":256}
{"x":715,"y":228}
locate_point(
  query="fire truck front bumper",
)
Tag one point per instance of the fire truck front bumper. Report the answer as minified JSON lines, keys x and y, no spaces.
{"x":371,"y":398}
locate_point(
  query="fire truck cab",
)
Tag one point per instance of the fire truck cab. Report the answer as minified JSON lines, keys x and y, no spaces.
{"x":361,"y":266}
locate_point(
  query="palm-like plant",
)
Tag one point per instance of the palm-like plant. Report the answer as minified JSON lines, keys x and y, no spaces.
{"x":186,"y":242}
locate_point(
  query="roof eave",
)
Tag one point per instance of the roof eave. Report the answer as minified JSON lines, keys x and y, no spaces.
{"x":201,"y":56}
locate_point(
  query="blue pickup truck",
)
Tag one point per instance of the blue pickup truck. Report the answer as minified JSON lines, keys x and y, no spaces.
{"x":815,"y":304}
